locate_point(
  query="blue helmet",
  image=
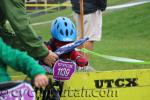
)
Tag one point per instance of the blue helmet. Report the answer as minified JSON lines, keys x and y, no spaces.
{"x":63,"y":29}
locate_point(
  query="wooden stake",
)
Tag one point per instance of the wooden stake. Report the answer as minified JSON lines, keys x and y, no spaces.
{"x":82,"y":23}
{"x":81,"y":19}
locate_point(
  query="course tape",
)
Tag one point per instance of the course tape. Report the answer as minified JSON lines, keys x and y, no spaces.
{"x":108,"y":8}
{"x":126,"y":5}
{"x":114,"y":58}
{"x":49,"y":5}
{"x":68,"y":4}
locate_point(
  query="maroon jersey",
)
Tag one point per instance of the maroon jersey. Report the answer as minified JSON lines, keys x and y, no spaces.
{"x":54,"y":44}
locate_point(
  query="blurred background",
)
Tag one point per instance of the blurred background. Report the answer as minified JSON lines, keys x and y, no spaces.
{"x":126,"y":31}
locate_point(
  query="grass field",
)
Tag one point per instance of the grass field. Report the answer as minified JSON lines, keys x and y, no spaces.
{"x":125,"y":34}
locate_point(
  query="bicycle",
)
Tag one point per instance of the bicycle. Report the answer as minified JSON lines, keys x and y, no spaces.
{"x":25,"y":90}
{"x":61,"y":71}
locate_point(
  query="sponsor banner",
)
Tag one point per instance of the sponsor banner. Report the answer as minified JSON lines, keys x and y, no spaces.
{"x":23,"y":91}
{"x":108,"y":85}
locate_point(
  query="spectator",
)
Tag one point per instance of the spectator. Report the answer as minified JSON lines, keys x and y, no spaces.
{"x":92,"y":19}
{"x":25,"y":37}
{"x":21,"y":62}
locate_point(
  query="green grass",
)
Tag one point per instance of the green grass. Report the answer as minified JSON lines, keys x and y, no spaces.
{"x":44,"y":29}
{"x":51,"y":16}
{"x":69,"y":11}
{"x":125,"y":34}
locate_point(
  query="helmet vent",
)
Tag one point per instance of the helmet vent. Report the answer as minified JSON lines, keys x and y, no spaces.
{"x":55,"y":22}
{"x":71,"y":32}
{"x":61,"y":32}
{"x":63,"y":18}
{"x":65,"y":24}
{"x":66,"y":32}
{"x":57,"y":26}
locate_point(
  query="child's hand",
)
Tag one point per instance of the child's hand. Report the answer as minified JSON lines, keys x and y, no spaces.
{"x":40,"y":80}
{"x":82,"y":61}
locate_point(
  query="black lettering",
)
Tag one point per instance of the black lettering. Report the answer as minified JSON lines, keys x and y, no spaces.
{"x":69,"y":92}
{"x":94,"y":93}
{"x":109,"y":83}
{"x":64,"y":93}
{"x":88,"y":93}
{"x":131,"y":82}
{"x":102,"y":93}
{"x":77,"y":93}
{"x":119,"y":82}
{"x":98,"y":83}
{"x":82,"y":92}
{"x":116,"y":93}
{"x":110,"y":93}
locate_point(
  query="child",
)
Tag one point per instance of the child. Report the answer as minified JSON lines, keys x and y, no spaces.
{"x":63,"y":32}
{"x":21,"y":62}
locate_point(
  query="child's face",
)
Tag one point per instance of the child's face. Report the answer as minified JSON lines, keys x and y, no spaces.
{"x":60,"y":43}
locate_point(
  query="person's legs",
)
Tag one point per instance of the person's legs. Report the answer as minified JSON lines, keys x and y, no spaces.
{"x":92,"y":29}
{"x":89,"y":46}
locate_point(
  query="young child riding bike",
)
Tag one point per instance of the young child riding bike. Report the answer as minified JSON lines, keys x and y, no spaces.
{"x":63,"y":31}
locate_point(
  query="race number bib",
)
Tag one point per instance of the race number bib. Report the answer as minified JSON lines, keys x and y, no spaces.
{"x":63,"y":70}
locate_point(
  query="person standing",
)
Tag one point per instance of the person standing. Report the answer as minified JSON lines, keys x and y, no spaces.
{"x":92,"y":22}
{"x":25,"y":38}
